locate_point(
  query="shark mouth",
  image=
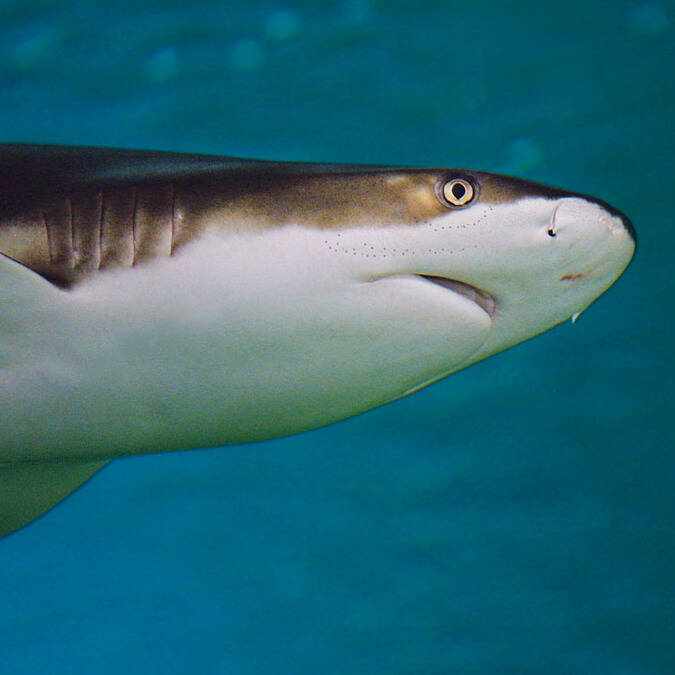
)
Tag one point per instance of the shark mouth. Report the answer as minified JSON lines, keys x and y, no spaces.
{"x":478,"y":296}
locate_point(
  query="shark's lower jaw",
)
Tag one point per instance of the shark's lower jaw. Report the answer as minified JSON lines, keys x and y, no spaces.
{"x":478,"y":296}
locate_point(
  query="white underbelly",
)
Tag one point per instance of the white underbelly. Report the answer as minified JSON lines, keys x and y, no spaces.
{"x":213,"y":350}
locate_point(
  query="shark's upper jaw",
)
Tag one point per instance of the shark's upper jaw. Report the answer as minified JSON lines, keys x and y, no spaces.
{"x":477,"y":295}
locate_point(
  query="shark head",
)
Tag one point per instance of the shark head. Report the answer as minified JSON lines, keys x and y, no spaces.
{"x":508,"y":257}
{"x":457,"y":265}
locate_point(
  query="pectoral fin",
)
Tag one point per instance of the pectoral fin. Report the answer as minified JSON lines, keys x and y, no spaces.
{"x":29,"y":489}
{"x":24,"y":296}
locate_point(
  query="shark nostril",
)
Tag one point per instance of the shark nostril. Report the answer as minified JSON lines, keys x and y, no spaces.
{"x":552,"y":230}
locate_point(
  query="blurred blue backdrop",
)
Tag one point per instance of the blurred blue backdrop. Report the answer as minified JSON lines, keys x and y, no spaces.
{"x":515,"y":518}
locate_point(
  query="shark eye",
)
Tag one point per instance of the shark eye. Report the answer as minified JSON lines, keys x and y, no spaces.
{"x":457,"y":192}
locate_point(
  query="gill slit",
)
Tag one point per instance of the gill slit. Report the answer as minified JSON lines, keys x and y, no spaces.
{"x":50,"y":237}
{"x":74,"y":253}
{"x":133,"y":226}
{"x":173,"y":218}
{"x":100,"y":229}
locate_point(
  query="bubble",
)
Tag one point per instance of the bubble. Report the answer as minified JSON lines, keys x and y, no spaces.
{"x":282,"y":25}
{"x":162,"y":65}
{"x":356,"y":12}
{"x":247,"y":54}
{"x":524,"y":154}
{"x":650,"y":18}
{"x":35,"y":50}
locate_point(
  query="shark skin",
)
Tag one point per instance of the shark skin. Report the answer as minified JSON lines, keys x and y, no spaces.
{"x":156,"y":301}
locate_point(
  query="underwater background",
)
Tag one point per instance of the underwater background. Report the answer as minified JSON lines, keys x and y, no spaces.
{"x":518,"y":517}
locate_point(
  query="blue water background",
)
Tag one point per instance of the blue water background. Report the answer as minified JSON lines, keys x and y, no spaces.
{"x":517,"y":517}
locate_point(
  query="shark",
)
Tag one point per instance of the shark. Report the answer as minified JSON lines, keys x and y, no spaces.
{"x":157,"y":301}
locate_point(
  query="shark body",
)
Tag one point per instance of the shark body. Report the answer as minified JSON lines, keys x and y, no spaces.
{"x":159,"y":301}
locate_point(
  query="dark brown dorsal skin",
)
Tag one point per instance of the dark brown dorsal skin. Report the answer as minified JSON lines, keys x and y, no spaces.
{"x":67,"y":212}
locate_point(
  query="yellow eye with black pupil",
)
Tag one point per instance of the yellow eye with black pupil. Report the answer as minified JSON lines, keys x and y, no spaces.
{"x":458,"y":192}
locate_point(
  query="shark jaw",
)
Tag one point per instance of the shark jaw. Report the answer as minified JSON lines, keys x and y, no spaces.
{"x":476,"y":295}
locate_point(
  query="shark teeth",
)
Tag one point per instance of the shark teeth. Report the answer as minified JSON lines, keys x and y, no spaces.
{"x":480,"y":297}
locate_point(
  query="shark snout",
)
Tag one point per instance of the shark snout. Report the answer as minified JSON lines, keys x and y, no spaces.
{"x":616,"y":221}
{"x":590,"y":214}
{"x":622,"y":220}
